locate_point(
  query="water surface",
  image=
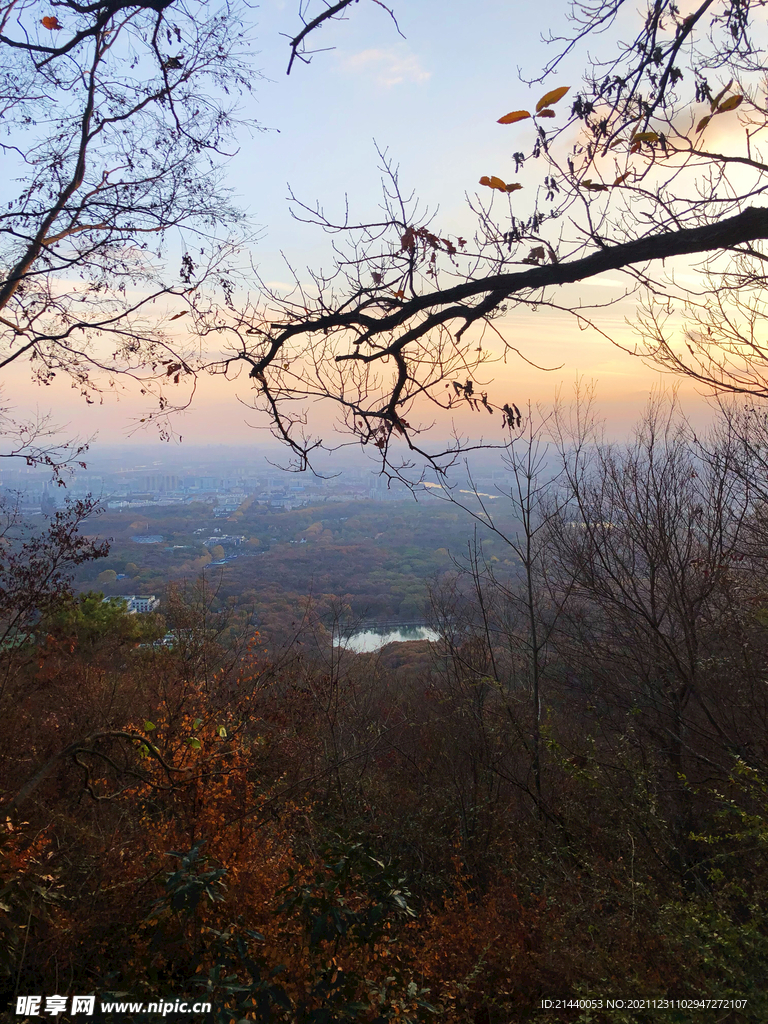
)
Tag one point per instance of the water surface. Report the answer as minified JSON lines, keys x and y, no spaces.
{"x":369,"y":640}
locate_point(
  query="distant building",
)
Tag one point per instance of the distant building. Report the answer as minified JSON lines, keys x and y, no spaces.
{"x":137,"y":603}
{"x":147,"y":538}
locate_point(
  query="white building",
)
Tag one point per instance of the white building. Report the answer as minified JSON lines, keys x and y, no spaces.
{"x":137,"y":602}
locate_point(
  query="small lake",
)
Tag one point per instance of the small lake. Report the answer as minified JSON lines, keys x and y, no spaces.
{"x":369,"y":640}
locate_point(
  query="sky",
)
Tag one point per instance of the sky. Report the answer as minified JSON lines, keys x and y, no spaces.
{"x":431,"y":100}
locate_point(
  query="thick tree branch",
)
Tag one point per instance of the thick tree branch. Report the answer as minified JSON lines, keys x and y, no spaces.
{"x":750,"y":225}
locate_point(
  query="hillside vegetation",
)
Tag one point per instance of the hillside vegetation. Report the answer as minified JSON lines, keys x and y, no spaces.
{"x":566,"y":797}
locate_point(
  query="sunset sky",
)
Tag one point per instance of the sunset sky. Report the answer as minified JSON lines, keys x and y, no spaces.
{"x":432,"y":100}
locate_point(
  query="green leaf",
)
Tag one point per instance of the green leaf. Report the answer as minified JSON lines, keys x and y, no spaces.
{"x":149,"y":726}
{"x":645,"y":137}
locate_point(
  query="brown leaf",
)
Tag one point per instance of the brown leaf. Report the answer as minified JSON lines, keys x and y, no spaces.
{"x":546,"y":113}
{"x":645,"y":137}
{"x":493,"y":182}
{"x":515,"y":115}
{"x":703,"y":123}
{"x":51,"y":22}
{"x":730,"y":104}
{"x":622,"y":178}
{"x":550,"y":98}
{"x":408,"y":240}
{"x":514,"y":187}
{"x":182,"y":313}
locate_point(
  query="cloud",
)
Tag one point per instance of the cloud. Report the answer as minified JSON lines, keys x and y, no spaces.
{"x":390,"y":67}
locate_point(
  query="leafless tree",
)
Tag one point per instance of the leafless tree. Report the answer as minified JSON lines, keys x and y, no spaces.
{"x":117,"y":118}
{"x":659,"y":629}
{"x":410,"y":315}
{"x":500,"y":633}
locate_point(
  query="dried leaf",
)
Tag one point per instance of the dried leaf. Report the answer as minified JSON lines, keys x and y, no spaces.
{"x":51,"y":22}
{"x":730,"y":104}
{"x":408,"y":240}
{"x":723,"y":91}
{"x":703,"y":123}
{"x":485,"y":180}
{"x":550,"y":98}
{"x":498,"y":183}
{"x":645,"y":137}
{"x":546,"y":113}
{"x":514,"y":187}
{"x":622,"y":178}
{"x":182,"y":313}
{"x":515,"y":115}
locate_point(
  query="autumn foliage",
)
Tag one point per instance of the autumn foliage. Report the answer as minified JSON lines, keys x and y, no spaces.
{"x":304,"y":836}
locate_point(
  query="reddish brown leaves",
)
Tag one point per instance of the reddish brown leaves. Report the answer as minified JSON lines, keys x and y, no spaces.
{"x":514,"y":116}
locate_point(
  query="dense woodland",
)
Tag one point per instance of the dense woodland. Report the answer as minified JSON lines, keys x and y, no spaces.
{"x":374,"y":559}
{"x":565,"y":796}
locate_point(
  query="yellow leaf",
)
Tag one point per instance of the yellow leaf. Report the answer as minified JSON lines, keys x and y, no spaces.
{"x":546,"y":113}
{"x":514,"y":187}
{"x":730,"y":104}
{"x":515,"y":115}
{"x":550,"y":98}
{"x":645,"y":137}
{"x":50,"y":22}
{"x":485,"y":180}
{"x":498,"y":183}
{"x":703,"y":123}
